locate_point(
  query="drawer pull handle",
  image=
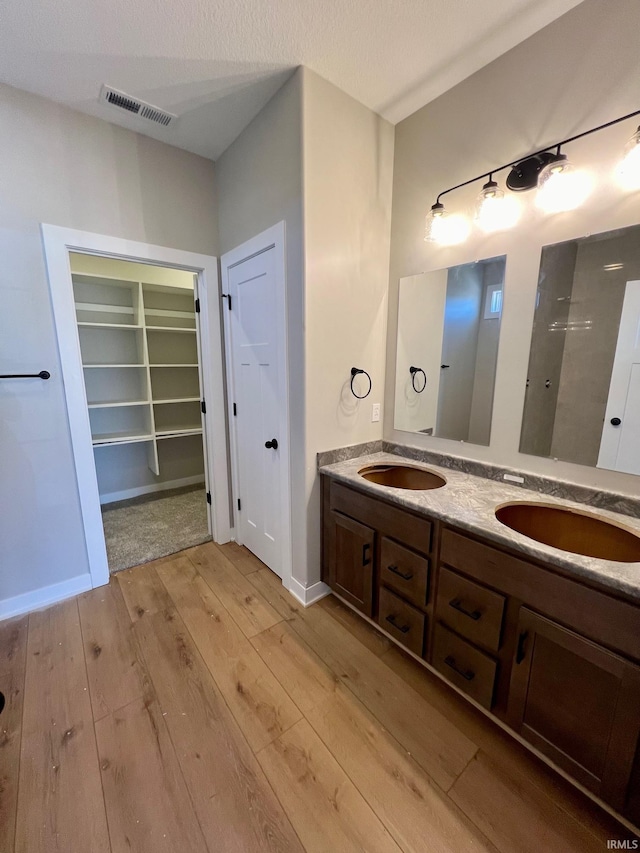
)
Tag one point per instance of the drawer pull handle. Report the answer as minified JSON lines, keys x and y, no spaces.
{"x":392,"y":620}
{"x":521,"y":651}
{"x":366,"y":559}
{"x":396,"y":571}
{"x":467,"y":674}
{"x":457,"y":605}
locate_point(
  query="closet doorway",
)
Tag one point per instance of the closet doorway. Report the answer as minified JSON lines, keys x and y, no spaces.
{"x":150,"y":385}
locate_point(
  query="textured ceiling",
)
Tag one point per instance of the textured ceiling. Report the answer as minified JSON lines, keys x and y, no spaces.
{"x":217,"y":62}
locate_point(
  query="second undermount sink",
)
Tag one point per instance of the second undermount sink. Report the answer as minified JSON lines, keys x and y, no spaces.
{"x":402,"y":477}
{"x":571,"y":530}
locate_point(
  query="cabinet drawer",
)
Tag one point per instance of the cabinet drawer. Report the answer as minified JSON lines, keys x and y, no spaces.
{"x":471,"y":670}
{"x":401,"y":620}
{"x":404,"y":571}
{"x":470,"y":609}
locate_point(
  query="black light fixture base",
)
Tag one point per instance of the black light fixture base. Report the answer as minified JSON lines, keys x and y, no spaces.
{"x":524,"y":175}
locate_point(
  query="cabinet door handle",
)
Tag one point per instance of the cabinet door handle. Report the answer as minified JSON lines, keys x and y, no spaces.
{"x":396,"y":571}
{"x":366,"y":559}
{"x":521,"y":651}
{"x":392,"y":620}
{"x":456,"y":603}
{"x":467,"y":674}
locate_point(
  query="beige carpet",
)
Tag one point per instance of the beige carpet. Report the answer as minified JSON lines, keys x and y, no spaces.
{"x":153,"y":526}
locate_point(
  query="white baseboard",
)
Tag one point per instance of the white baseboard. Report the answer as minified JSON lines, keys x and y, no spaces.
{"x":44,"y":597}
{"x":126,"y":494}
{"x":307,"y":595}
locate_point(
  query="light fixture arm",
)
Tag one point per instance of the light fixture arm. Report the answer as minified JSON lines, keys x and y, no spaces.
{"x":537,"y":154}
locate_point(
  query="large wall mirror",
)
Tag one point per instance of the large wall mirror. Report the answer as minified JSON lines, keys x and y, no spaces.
{"x":583,"y":387}
{"x":447,"y":349}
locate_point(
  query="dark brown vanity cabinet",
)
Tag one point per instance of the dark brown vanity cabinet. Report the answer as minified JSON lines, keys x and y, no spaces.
{"x":576,"y":702}
{"x":555,"y":659}
{"x":351,"y":563}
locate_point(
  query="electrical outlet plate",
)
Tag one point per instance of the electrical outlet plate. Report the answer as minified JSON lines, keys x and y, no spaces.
{"x":375,"y":412}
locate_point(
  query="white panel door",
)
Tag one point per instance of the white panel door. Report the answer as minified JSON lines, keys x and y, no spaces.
{"x":258,"y":390}
{"x":620,"y":444}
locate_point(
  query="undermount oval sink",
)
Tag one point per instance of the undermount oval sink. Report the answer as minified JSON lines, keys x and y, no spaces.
{"x":402,"y":477}
{"x":572,"y":530}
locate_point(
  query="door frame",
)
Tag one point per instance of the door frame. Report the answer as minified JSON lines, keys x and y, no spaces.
{"x":57,"y":243}
{"x":271,"y":238}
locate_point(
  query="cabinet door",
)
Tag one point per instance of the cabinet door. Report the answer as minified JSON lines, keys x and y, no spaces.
{"x":576,"y":702}
{"x":351,"y":563}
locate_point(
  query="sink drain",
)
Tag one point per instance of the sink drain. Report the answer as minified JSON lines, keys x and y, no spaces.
{"x":1,"y":701}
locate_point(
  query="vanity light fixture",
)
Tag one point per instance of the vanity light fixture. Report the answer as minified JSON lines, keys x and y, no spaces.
{"x":561,"y":186}
{"x":628,"y":171}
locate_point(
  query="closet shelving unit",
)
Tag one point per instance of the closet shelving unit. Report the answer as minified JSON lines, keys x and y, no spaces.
{"x":140,"y":360}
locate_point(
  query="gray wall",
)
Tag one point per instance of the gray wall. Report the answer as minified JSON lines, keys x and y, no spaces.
{"x":64,"y":168}
{"x":486,"y":361}
{"x":580,"y":71}
{"x":557,"y":266}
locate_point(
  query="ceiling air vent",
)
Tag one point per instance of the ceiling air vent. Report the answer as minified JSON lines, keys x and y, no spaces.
{"x":135,"y":106}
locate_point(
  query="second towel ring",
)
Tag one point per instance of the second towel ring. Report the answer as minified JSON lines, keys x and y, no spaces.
{"x":413,"y":371}
{"x":354,"y":372}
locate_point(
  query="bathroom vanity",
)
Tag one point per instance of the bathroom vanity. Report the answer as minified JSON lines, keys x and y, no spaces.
{"x":546,"y":641}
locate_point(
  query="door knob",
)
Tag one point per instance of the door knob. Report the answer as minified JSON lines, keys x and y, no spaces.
{"x":271,"y":445}
{"x":616,"y":421}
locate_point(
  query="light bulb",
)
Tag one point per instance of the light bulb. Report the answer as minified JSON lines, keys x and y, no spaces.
{"x":446,"y":229}
{"x":561,"y":186}
{"x":628,"y":170}
{"x":494,"y":210}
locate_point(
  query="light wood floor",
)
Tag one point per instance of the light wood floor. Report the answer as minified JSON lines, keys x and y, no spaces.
{"x":193,"y":705}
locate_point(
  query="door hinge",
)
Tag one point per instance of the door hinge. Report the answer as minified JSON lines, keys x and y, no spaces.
{"x":239,"y":505}
{"x":197,"y":306}
{"x":227,"y":296}
{"x":209,"y":498}
{"x":235,"y":411}
{"x":203,"y":407}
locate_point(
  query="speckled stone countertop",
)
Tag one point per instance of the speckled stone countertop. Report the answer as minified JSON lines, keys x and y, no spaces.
{"x":469,"y":502}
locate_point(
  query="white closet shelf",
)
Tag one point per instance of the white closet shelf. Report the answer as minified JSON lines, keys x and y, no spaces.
{"x":120,"y":438}
{"x":109,"y":325}
{"x":168,"y":312}
{"x":173,"y":365}
{"x":169,"y":329}
{"x":104,"y":307}
{"x":175,"y":433}
{"x":177,"y":400}
{"x":116,"y":365}
{"x":118,"y":403}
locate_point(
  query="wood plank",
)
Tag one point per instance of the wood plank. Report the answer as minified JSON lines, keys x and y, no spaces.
{"x":399,"y":792}
{"x":13,"y":653}
{"x":115,"y":667}
{"x":526,"y":821}
{"x":241,"y":557}
{"x":13,"y":643}
{"x":148,"y":806}
{"x":249,"y":610}
{"x":308,"y":681}
{"x":279,"y":599}
{"x":357,"y":626}
{"x":237,"y":808}
{"x":143,"y":591}
{"x":434,"y":742}
{"x":502,"y":748}
{"x":325,"y":807}
{"x":60,"y":804}
{"x":256,"y":698}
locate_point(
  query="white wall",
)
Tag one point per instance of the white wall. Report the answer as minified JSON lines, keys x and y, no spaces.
{"x":67,"y":169}
{"x":580,"y":71}
{"x":348,"y":158}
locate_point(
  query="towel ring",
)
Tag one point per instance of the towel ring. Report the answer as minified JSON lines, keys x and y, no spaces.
{"x":354,"y":372}
{"x":413,"y":371}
